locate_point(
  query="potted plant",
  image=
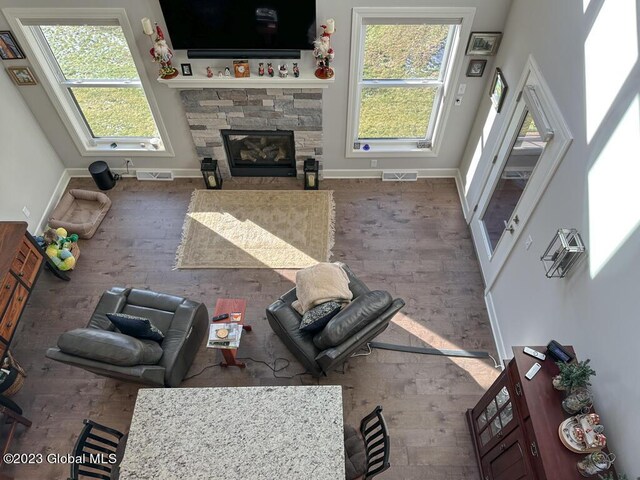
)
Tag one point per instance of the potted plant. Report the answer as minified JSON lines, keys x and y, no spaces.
{"x":573,"y":375}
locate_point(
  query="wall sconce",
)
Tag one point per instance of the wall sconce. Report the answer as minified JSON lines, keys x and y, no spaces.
{"x":211,"y":174}
{"x":311,"y":179}
{"x":563,"y":252}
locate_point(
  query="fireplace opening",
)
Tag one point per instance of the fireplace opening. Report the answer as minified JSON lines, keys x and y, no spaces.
{"x":260,"y":153}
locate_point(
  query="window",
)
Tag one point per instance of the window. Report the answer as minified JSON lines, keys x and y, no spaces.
{"x":404,"y":60}
{"x":91,"y":76}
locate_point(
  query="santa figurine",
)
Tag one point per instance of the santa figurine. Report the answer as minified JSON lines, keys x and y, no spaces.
{"x":162,"y":54}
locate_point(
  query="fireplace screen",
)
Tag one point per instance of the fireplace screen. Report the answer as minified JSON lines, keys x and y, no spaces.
{"x":260,"y":153}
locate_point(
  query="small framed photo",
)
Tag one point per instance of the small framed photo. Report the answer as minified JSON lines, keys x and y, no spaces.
{"x":186,"y":69}
{"x":9,"y":48}
{"x":476,"y":68}
{"x":498,"y":90}
{"x":22,"y":76}
{"x":484,"y":43}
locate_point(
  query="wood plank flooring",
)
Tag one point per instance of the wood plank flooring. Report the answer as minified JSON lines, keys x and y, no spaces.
{"x":408,"y":238}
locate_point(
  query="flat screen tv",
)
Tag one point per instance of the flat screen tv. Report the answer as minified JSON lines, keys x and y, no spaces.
{"x":240,"y":28}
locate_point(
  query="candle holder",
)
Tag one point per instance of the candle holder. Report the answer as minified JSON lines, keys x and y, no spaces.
{"x":563,"y":252}
{"x":311,"y":178}
{"x":211,"y":174}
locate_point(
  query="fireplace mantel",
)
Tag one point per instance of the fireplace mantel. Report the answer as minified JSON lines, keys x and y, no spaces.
{"x":307,"y":80}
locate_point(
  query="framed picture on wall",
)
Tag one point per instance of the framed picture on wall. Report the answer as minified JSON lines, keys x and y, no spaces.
{"x":9,"y":48}
{"x":476,"y":68}
{"x":484,"y":43}
{"x":22,"y":76}
{"x":498,"y":90}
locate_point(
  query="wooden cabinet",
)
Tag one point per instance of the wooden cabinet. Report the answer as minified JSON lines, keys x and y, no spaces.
{"x":514,"y":426}
{"x":20,"y":263}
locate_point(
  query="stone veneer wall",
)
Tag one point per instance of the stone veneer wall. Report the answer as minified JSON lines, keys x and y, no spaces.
{"x":210,"y":110}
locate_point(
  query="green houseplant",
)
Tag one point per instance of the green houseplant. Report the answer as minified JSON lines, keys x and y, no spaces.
{"x":573,"y":375}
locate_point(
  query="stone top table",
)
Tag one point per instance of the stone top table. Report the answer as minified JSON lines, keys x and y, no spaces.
{"x":241,"y":433}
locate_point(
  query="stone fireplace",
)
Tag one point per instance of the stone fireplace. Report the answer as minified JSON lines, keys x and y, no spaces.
{"x":260,"y":153}
{"x":290,"y":111}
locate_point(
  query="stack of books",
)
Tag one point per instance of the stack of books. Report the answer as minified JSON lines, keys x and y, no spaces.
{"x":224,"y":335}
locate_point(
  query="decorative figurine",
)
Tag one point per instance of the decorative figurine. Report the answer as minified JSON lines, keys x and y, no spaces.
{"x":160,"y":51}
{"x":227,"y":72}
{"x":283,"y":71}
{"x":323,"y":52}
{"x":220,"y":74}
{"x":261,"y":69}
{"x":209,"y":72}
{"x":270,"y":69}
{"x":296,"y":70}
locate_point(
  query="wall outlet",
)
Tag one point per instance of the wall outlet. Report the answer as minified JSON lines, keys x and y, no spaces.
{"x":128,"y":163}
{"x":462,"y":88}
{"x":528,"y":242}
{"x":458,"y":101}
{"x":26,"y":211}
{"x":374,"y":163}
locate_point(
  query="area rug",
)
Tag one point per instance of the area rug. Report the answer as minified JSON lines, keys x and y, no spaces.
{"x":257,"y":229}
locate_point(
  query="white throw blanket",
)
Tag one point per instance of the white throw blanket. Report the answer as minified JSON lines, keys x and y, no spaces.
{"x":319,"y":284}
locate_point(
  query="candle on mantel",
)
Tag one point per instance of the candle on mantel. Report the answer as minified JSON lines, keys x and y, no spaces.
{"x":331,"y":26}
{"x":147,"y":26}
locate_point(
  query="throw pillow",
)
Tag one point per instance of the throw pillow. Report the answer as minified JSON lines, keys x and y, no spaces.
{"x":319,"y":284}
{"x":316,"y":318}
{"x":137,"y":327}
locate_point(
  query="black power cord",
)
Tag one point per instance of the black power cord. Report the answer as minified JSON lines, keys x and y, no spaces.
{"x":273,"y":368}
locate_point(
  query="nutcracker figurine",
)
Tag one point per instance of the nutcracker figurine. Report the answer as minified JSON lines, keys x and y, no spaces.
{"x":261,"y":69}
{"x":270,"y":69}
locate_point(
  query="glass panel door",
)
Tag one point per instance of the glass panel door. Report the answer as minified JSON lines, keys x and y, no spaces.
{"x":524,"y":155}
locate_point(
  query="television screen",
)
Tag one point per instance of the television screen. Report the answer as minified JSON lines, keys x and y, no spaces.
{"x":240,"y":24}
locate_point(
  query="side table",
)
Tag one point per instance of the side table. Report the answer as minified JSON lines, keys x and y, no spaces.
{"x":229,"y":306}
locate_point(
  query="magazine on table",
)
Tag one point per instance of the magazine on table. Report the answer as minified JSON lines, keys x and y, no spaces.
{"x":224,"y":335}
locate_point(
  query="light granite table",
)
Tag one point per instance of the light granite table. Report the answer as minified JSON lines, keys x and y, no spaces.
{"x":241,"y":433}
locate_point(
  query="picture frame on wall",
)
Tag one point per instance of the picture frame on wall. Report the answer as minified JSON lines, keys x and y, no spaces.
{"x":9,"y":48}
{"x":186,"y":69}
{"x":22,"y":76}
{"x":498,"y":90}
{"x":484,"y":43}
{"x":476,"y":68}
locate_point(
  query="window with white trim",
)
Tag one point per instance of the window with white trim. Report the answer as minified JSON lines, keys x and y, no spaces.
{"x":403,"y":63}
{"x":91,"y":76}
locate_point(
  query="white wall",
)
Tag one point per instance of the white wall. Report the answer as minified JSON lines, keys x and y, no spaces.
{"x":490,"y":16}
{"x":594,"y":190}
{"x":31,"y":169}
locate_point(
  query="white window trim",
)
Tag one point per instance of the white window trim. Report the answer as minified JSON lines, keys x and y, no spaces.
{"x":401,"y":147}
{"x":21,"y":19}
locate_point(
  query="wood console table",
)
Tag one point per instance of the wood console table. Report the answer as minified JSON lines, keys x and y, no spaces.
{"x":514,"y":426}
{"x":20,"y":263}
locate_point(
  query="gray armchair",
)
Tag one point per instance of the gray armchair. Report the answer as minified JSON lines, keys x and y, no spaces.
{"x":368,"y":315}
{"x":183,"y":322}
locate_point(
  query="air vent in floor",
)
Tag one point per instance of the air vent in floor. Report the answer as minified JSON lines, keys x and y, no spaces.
{"x":399,"y":175}
{"x":163,"y":175}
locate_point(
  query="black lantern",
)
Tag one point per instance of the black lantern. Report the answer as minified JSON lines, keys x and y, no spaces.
{"x":211,"y":173}
{"x":311,"y":179}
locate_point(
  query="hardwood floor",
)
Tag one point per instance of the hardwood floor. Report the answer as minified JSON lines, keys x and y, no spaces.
{"x":408,"y":238}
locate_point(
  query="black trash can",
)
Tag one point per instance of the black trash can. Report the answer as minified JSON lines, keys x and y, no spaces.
{"x":102,"y":175}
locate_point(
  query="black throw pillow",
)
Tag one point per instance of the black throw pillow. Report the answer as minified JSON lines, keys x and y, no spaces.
{"x":137,"y":327}
{"x":315,"y":319}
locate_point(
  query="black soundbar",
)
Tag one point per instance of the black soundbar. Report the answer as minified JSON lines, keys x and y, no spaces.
{"x":240,"y":53}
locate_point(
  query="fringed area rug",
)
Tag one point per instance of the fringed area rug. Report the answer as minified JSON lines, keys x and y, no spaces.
{"x":257,"y":229}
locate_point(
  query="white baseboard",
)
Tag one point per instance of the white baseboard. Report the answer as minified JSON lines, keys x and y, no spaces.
{"x":335,"y":173}
{"x":463,"y":198}
{"x":53,"y":201}
{"x":495,"y":328}
{"x":177,"y":172}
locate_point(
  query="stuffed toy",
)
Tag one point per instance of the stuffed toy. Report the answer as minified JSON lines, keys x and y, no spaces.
{"x":58,"y":246}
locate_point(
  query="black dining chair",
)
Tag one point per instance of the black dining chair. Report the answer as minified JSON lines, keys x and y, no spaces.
{"x":367,"y":451}
{"x":101,"y":448}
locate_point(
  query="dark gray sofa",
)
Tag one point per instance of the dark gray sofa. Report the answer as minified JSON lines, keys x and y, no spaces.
{"x":368,"y":314}
{"x":183,"y":322}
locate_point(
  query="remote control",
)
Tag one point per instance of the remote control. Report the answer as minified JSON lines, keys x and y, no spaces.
{"x":534,"y":353}
{"x":533,"y":370}
{"x":220,"y":317}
